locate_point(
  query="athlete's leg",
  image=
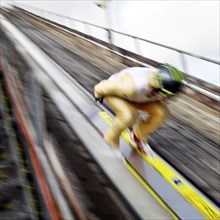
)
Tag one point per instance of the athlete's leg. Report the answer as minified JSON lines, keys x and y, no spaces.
{"x":125,"y":116}
{"x":157,"y":115}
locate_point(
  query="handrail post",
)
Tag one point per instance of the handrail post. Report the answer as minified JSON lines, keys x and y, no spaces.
{"x":109,"y":35}
{"x":110,"y":39}
{"x":183,"y":62}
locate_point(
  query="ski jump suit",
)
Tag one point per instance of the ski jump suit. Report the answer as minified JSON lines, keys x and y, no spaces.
{"x":128,"y":92}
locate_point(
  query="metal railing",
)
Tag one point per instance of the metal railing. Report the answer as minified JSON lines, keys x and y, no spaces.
{"x":187,"y":62}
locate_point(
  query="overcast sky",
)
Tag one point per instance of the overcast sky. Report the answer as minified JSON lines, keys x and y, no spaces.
{"x":188,"y":25}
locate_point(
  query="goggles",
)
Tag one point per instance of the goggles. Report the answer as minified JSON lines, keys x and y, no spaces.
{"x":163,"y":92}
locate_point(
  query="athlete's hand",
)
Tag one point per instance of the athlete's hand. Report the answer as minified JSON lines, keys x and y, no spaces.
{"x":98,"y":99}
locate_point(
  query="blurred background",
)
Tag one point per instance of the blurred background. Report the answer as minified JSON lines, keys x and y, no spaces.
{"x":54,"y":163}
{"x":192,"y":26}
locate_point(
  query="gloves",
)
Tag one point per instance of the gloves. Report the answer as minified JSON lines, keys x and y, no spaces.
{"x":97,"y":99}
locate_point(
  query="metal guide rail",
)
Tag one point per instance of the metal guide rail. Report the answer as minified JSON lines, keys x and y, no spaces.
{"x":171,"y":190}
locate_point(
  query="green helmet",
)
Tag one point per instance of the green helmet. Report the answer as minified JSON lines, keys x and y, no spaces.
{"x":168,"y":80}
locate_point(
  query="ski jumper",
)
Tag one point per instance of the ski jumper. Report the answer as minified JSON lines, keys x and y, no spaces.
{"x":128,"y":92}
